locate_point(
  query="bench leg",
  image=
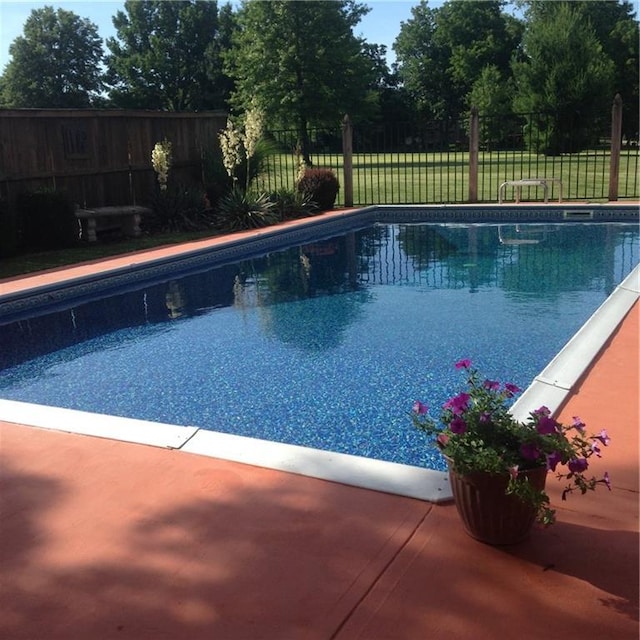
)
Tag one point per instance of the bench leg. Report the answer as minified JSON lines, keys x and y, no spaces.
{"x":131,"y":225}
{"x":89,"y":226}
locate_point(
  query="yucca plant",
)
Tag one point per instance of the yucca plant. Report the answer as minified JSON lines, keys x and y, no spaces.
{"x":240,"y":209}
{"x":290,"y":204}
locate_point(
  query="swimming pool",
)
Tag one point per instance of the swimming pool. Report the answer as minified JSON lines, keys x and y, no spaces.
{"x":327,"y":343}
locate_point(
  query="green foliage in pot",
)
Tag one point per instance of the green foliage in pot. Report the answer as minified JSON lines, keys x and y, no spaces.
{"x":477,"y":432}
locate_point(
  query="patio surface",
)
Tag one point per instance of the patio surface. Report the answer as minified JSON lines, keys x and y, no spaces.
{"x":103,"y":539}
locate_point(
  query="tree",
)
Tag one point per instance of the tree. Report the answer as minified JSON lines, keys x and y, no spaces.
{"x":616,"y":29}
{"x":55,"y":64}
{"x":492,"y":95}
{"x":442,"y":52}
{"x":167,"y":56}
{"x":566,"y":79}
{"x":300,"y":63}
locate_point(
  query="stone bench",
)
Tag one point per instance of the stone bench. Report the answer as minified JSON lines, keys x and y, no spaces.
{"x":529,"y":182}
{"x":125,"y":218}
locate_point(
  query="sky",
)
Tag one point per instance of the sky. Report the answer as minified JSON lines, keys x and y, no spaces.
{"x":380,"y":26}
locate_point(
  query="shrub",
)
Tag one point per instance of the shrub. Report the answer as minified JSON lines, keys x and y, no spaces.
{"x":47,"y":220}
{"x":240,"y":210}
{"x":289,"y":205}
{"x":321,"y":185}
{"x":177,"y":208}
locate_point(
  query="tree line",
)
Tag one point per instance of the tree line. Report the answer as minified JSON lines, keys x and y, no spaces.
{"x":302,"y":64}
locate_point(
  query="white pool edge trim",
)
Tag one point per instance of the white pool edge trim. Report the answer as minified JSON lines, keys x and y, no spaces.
{"x":553,"y":385}
{"x":357,"y":471}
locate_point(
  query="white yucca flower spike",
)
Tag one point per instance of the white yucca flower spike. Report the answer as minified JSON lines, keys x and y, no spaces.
{"x":161,"y":161}
{"x":253,"y":127}
{"x":231,"y":147}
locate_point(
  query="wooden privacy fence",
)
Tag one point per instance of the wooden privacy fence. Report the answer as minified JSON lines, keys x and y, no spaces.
{"x":100,"y":157}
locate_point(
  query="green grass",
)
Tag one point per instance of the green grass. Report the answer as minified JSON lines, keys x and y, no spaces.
{"x":432,"y":178}
{"x":33,"y":262}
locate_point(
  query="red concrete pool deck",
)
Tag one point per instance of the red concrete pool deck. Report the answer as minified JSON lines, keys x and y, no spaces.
{"x":102,"y":539}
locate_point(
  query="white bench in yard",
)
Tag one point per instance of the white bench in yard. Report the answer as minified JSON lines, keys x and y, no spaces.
{"x":529,"y":182}
{"x":125,"y":218}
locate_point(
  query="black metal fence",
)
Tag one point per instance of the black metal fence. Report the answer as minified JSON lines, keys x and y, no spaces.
{"x":430,"y":162}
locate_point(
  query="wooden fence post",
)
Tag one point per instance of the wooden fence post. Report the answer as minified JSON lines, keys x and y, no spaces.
{"x":347,"y":160}
{"x":616,"y":141}
{"x":474,"y":145}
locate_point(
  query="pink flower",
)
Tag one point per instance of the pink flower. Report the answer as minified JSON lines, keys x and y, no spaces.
{"x":546,"y":426}
{"x":463,"y":364}
{"x":419,"y":408}
{"x":442,"y":440}
{"x":492,"y":385}
{"x":542,"y":411}
{"x":458,"y":404}
{"x":511,"y":389}
{"x":458,"y":425}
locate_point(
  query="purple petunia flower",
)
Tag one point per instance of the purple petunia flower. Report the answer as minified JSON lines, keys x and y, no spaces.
{"x":459,"y":403}
{"x":546,"y":426}
{"x":492,"y":385}
{"x":595,"y":447}
{"x":607,"y":480}
{"x":603,"y":436}
{"x":511,"y":389}
{"x":420,"y":408}
{"x":542,"y":411}
{"x":578,"y":465}
{"x":553,"y":459}
{"x":578,"y":424}
{"x":458,"y":425}
{"x":529,"y":451}
{"x":463,"y":364}
{"x":485,"y":417}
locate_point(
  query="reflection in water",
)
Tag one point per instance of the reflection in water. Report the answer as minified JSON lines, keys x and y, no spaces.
{"x":174,"y":300}
{"x":325,"y":344}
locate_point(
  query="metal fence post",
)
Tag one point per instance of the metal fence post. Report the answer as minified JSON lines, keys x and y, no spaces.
{"x":616,"y":141}
{"x":473,"y":155}
{"x":347,"y":160}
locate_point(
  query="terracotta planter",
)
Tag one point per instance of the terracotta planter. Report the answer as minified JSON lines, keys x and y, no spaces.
{"x":488,"y":514}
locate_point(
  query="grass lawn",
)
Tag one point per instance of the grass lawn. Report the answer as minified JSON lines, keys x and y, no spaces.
{"x":432,"y":178}
{"x":32,"y":262}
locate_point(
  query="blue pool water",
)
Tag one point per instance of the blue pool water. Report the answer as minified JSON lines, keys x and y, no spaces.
{"x":326,"y":344}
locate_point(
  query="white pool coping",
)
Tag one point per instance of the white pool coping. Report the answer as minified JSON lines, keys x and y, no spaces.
{"x":550,"y":388}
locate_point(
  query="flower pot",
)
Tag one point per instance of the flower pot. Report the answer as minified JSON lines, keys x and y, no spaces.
{"x":488,"y":514}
